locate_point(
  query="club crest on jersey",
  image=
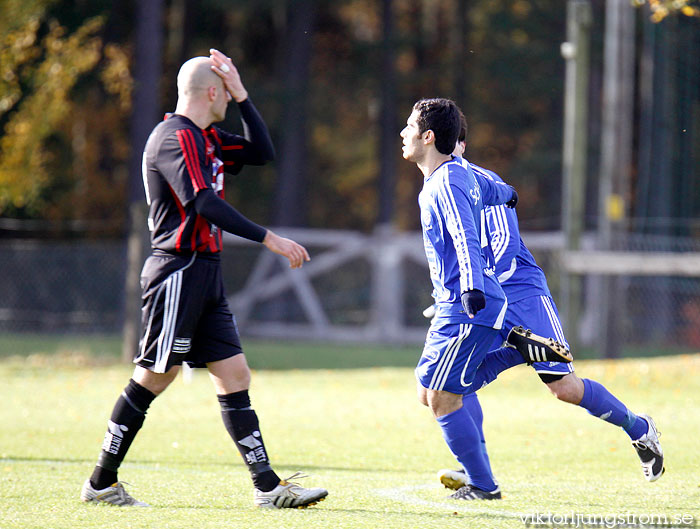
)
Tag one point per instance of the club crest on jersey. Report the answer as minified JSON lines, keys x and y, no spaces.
{"x":475,"y":193}
{"x":427,"y":219}
{"x":217,"y":174}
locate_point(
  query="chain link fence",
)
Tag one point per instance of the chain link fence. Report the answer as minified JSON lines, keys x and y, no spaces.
{"x":51,"y":288}
{"x":61,"y":286}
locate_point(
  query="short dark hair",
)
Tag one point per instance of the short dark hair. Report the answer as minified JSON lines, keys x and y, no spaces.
{"x":442,"y":117}
{"x":463,"y":128}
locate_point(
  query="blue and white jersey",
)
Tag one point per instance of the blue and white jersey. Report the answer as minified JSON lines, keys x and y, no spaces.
{"x":457,"y":244}
{"x":516,"y":268}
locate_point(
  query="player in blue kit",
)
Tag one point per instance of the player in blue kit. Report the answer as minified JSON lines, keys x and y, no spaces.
{"x":530,"y":304}
{"x":470,"y":304}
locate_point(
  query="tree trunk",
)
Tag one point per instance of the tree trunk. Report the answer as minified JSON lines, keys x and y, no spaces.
{"x":145,"y":114}
{"x":291,"y":207}
{"x":388,"y":124}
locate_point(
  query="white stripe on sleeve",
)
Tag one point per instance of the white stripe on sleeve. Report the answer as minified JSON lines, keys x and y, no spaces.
{"x":460,"y":241}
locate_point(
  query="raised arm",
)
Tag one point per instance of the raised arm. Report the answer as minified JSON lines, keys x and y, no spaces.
{"x":255,"y":148}
{"x":255,"y":131}
{"x":494,"y":192}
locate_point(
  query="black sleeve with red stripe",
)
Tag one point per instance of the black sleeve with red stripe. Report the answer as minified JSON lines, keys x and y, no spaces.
{"x":219,"y":212}
{"x":182,"y":162}
{"x":255,"y":148}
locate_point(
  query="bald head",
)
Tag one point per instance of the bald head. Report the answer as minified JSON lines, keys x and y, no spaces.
{"x":201,"y":93}
{"x":196,"y":75}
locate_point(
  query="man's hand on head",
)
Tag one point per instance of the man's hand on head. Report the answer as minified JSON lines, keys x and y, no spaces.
{"x":223,"y":67}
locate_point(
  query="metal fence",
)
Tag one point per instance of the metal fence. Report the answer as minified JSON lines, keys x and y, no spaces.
{"x":61,"y":286}
{"x":358,"y":287}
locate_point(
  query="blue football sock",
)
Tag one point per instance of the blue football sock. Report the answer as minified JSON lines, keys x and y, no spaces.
{"x":494,"y":363}
{"x":471,"y":403}
{"x":603,"y":404}
{"x":462,"y":437}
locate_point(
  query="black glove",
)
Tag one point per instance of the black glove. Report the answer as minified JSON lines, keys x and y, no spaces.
{"x":514,"y":200}
{"x":473,"y":301}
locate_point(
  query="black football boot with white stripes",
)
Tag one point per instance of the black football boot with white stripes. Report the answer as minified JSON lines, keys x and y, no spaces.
{"x":535,"y":348}
{"x":470,"y":492}
{"x":649,"y":451}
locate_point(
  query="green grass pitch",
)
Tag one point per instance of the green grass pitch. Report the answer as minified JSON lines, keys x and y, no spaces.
{"x":360,"y":433}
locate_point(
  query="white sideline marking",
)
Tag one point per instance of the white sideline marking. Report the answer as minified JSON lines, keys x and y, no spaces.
{"x":404,"y":495}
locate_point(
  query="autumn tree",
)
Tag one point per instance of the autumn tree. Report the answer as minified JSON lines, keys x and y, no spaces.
{"x":60,"y":89}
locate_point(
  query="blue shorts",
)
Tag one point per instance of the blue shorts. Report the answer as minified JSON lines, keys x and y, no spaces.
{"x":452,"y":353}
{"x":540,"y":315}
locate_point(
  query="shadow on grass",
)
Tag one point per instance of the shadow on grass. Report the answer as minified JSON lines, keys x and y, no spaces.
{"x":162,"y":464}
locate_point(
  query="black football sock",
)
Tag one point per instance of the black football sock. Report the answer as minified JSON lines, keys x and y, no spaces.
{"x":127,"y":417}
{"x":241,"y":422}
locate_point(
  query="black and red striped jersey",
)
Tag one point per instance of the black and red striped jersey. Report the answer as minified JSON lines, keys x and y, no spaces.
{"x":179,"y":160}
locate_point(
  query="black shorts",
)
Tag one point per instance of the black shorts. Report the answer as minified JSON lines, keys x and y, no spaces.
{"x":184,"y":316}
